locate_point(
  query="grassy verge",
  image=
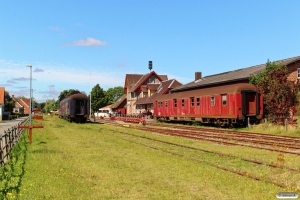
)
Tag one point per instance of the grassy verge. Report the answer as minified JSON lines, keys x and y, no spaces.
{"x":95,"y":161}
{"x":270,"y":128}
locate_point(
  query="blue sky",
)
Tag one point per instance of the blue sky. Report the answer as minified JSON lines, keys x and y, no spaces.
{"x":78,"y":44}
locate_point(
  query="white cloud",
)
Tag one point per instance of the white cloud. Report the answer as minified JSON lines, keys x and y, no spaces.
{"x":88,"y":42}
{"x":38,"y":70}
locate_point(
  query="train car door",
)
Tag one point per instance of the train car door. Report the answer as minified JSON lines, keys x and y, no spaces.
{"x":79,"y":105}
{"x":175,"y":107}
{"x":224,"y":107}
{"x":248,"y":103}
{"x":191,"y":107}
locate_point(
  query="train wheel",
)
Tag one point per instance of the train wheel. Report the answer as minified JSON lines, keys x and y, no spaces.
{"x":218,"y":123}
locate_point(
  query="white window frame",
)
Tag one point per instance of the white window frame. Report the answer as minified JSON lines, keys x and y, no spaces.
{"x":212,"y":100}
{"x":224,"y":99}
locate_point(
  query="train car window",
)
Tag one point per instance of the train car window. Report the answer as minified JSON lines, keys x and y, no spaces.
{"x":175,"y":102}
{"x":198,"y":101}
{"x":182,"y":102}
{"x":166,"y":103}
{"x":224,"y":99}
{"x":192,"y":101}
{"x":212,"y":100}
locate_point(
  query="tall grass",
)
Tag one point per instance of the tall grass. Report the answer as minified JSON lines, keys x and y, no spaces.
{"x":95,"y":161}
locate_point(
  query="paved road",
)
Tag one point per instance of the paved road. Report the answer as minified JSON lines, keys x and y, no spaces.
{"x":7,"y":124}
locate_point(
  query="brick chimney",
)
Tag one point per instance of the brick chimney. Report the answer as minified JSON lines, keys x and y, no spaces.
{"x":198,"y":75}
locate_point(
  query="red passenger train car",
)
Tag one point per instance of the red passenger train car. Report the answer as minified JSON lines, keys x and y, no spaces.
{"x":221,"y":105}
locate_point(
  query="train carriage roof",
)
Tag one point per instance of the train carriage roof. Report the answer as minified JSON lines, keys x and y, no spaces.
{"x":224,"y":89}
{"x":75,"y":96}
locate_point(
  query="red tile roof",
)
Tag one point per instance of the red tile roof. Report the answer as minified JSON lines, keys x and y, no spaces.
{"x":164,"y":88}
{"x":145,"y":78}
{"x":2,"y":95}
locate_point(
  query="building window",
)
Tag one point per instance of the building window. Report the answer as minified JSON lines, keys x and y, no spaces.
{"x":224,"y":99}
{"x":298,"y":70}
{"x":198,"y":101}
{"x":192,"y":101}
{"x":166,"y":103}
{"x":175,"y":103}
{"x":150,"y":80}
{"x":182,"y":102}
{"x":212,"y":100}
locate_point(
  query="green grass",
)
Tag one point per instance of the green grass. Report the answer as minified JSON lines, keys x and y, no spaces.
{"x":95,"y":161}
{"x":270,"y":128}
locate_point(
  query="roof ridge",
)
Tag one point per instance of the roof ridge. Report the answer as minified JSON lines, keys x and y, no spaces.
{"x":171,"y":83}
{"x":17,"y":100}
{"x":24,"y":102}
{"x":244,"y":68}
{"x":137,"y":82}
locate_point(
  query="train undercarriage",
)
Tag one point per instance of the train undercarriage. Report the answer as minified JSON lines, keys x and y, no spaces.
{"x":218,"y":122}
{"x":75,"y":118}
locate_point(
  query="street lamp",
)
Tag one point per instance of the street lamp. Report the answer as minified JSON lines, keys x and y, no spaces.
{"x":30,"y":108}
{"x":90,"y":97}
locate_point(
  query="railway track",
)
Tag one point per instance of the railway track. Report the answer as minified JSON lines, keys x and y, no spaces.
{"x":190,"y":132}
{"x":216,"y":165}
{"x":282,"y":144}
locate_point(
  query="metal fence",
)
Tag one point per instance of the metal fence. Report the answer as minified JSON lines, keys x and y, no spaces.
{"x":9,"y":139}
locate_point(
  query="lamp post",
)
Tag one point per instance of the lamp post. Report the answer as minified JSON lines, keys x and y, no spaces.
{"x":30,"y":107}
{"x":90,"y":98}
{"x":30,"y":127}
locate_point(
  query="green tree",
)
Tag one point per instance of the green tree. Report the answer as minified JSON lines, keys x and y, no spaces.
{"x":279,"y":93}
{"x":98,"y":99}
{"x":113,"y":94}
{"x":64,"y":94}
{"x":9,"y":103}
{"x":35,"y":104}
{"x":49,"y":105}
{"x":42,"y":105}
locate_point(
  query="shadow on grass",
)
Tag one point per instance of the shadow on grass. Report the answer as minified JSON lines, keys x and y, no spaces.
{"x":12,"y":172}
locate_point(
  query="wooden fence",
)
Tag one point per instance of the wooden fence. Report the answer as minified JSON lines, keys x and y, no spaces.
{"x":9,"y":139}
